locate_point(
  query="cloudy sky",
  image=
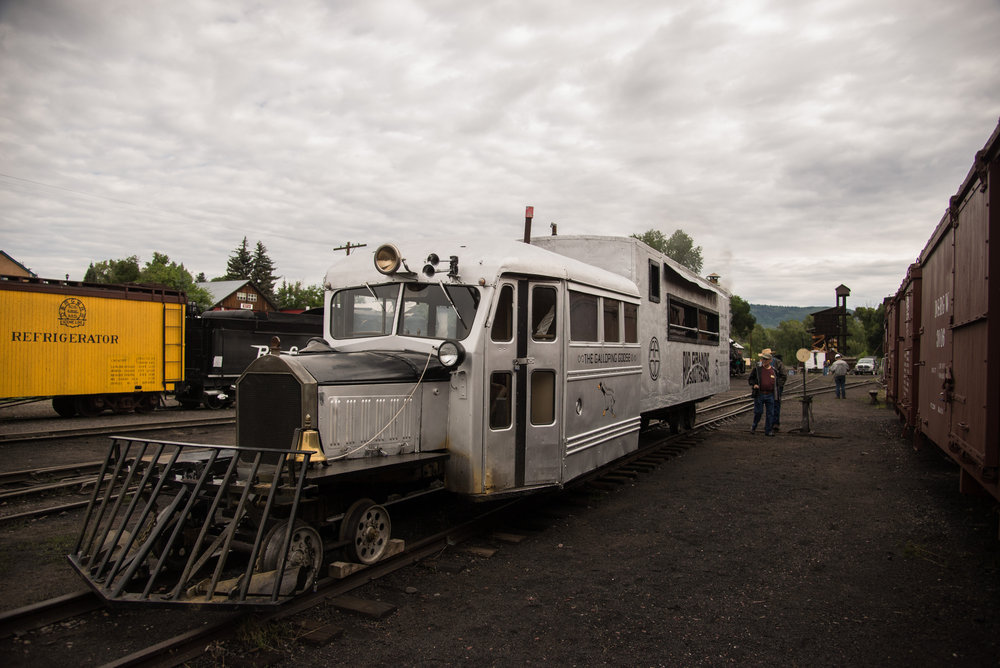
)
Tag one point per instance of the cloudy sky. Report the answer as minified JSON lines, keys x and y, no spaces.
{"x":801,"y":144}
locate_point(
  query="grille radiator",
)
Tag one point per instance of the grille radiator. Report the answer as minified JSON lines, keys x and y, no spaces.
{"x":269,"y":409}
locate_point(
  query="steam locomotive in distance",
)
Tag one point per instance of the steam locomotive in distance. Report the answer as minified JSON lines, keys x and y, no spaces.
{"x":485,"y":368}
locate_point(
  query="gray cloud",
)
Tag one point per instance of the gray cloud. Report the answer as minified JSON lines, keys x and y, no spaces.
{"x":803,"y":145}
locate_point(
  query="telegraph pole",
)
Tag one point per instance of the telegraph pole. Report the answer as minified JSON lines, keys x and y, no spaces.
{"x":348,"y":246}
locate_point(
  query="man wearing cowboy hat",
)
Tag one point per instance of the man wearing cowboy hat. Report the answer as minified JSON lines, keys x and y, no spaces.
{"x":764,"y":382}
{"x":782,"y":375}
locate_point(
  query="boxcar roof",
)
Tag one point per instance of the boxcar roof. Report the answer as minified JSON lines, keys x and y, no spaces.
{"x":485,"y":259}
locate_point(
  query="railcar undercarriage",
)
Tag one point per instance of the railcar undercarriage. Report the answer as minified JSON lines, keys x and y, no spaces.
{"x":181,"y":523}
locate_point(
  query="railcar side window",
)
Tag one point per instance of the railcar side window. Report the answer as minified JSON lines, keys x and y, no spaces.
{"x":654,"y":281}
{"x":438,"y":311}
{"x":582,"y":317}
{"x":503,"y":319}
{"x":365,"y":311}
{"x":631,"y":323}
{"x":543,"y":313}
{"x":612,"y":332}
{"x":500,"y":409}
{"x":543,"y":397}
{"x":691,"y":323}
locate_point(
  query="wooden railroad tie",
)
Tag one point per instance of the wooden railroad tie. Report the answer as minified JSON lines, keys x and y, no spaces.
{"x":373,"y":609}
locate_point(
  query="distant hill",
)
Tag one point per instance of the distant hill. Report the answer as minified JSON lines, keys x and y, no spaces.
{"x":771,"y":316}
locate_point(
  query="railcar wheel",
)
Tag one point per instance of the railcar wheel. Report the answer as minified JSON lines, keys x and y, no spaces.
{"x":213,"y":402}
{"x":366,"y":527}
{"x":305,"y":550}
{"x":64,"y":406}
{"x":89,"y":405}
{"x":688,"y":417}
{"x":146,"y":403}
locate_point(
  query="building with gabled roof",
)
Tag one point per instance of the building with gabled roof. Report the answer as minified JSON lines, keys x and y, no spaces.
{"x":11,"y":267}
{"x":237,"y":295}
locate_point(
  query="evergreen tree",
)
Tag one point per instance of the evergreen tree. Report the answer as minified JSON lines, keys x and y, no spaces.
{"x":262,"y":270}
{"x":257,"y":267}
{"x":240,"y":263}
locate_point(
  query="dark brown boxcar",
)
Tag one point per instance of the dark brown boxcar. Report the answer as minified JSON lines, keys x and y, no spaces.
{"x":947,"y":382}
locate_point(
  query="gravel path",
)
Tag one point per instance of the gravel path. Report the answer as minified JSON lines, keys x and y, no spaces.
{"x":843,"y":548}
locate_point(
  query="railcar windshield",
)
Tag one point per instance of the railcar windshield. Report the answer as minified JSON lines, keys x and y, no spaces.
{"x":425,"y":310}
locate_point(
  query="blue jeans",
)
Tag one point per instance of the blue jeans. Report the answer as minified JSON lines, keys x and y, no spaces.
{"x":764,"y":403}
{"x":840,"y":386}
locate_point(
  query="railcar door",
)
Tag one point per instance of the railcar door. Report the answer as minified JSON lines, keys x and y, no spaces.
{"x":522,"y":440}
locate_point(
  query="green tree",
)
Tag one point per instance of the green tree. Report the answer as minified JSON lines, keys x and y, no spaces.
{"x":873,"y":322}
{"x":125,"y":270}
{"x":257,"y":267}
{"x":789,"y":336}
{"x":262,"y":270}
{"x":240,"y":263}
{"x":679,"y":247}
{"x":161,"y":271}
{"x":295,"y":296}
{"x":741,"y":320}
{"x":857,"y":342}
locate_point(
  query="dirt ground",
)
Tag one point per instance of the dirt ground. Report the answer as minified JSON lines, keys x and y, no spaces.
{"x":846,"y":547}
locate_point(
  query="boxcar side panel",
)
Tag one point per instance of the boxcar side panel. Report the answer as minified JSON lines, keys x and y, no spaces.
{"x":59,"y":344}
{"x":890,"y":366}
{"x":909,"y":315}
{"x":934,"y":361}
{"x":968,"y":384}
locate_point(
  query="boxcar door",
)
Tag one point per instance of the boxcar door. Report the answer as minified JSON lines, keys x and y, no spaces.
{"x":522,"y":441}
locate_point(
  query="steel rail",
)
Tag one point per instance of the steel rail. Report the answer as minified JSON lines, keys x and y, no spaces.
{"x":51,"y":434}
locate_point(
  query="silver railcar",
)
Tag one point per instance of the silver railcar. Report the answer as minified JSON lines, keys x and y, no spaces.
{"x":486,"y":368}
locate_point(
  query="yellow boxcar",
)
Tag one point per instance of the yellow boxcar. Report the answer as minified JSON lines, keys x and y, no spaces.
{"x":61,"y":338}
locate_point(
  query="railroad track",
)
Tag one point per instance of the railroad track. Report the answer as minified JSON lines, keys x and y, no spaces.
{"x":188,"y":645}
{"x":72,"y":477}
{"x":79,"y":432}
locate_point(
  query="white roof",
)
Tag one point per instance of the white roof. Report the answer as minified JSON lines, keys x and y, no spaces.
{"x":481,"y":259}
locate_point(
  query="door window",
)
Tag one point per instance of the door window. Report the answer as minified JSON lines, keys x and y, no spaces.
{"x":543,"y":313}
{"x":500,"y":408}
{"x":503,"y":319}
{"x":543,"y":397}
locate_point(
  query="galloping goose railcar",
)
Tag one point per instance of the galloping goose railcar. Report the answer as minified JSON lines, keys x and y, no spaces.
{"x":487,"y":369}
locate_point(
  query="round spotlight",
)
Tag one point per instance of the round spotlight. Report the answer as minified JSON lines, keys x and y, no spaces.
{"x":387,"y":258}
{"x":450,"y":354}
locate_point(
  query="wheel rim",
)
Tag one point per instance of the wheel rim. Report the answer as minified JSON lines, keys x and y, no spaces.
{"x":367,"y":528}
{"x":304,"y":551}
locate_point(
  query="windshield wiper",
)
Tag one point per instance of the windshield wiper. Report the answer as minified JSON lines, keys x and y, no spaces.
{"x":375,"y":296}
{"x":448,"y":297}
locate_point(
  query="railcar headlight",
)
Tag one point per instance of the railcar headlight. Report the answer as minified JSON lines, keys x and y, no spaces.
{"x":387,"y":259}
{"x":451,"y":354}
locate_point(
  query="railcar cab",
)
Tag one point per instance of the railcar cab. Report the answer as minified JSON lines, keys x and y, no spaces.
{"x":542,"y":355}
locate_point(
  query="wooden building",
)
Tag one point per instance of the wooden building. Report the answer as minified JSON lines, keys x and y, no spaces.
{"x":237,"y":295}
{"x":11,"y":267}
